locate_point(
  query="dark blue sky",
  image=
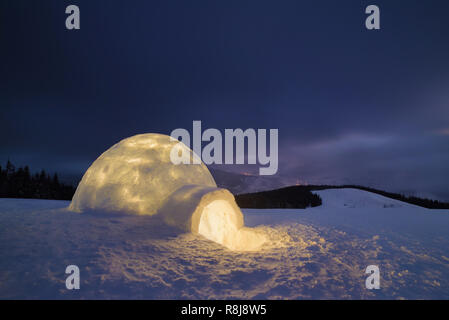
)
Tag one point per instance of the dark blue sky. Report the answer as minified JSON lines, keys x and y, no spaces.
{"x":351,"y":105}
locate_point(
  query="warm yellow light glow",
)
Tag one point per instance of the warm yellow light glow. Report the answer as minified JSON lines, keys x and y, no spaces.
{"x":218,"y":223}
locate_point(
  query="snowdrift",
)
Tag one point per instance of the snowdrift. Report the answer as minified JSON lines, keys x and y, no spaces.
{"x":313,"y":253}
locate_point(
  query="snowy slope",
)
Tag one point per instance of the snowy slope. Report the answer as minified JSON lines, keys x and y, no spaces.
{"x":356,"y":198}
{"x":315,"y":253}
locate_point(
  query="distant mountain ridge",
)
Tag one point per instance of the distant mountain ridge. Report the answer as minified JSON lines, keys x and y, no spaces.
{"x":239,"y":183}
{"x":251,"y":191}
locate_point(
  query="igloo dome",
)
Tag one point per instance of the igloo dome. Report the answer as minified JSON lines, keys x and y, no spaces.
{"x":137,"y":176}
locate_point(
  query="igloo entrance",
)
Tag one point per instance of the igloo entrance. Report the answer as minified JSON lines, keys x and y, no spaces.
{"x":218,"y":223}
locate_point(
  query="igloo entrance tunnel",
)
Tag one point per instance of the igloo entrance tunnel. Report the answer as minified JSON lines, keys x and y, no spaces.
{"x":136,"y":176}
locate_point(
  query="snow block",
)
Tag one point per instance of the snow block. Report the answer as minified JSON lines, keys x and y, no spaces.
{"x":184,"y":208}
{"x":212,"y":213}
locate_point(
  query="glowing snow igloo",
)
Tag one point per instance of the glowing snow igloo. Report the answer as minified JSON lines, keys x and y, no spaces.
{"x":137,"y":176}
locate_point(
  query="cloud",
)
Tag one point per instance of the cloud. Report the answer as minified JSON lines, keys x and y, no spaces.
{"x":443,"y":132}
{"x":416,"y":164}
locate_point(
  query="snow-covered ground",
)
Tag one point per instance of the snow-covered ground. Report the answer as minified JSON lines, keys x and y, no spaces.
{"x":317,"y":253}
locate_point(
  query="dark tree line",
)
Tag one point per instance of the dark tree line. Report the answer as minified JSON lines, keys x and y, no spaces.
{"x":284,"y":198}
{"x":20,"y":183}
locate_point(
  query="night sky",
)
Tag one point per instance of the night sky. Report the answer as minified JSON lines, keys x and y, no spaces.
{"x":351,"y":105}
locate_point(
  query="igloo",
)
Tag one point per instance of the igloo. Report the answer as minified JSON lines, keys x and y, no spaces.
{"x":137,"y":176}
